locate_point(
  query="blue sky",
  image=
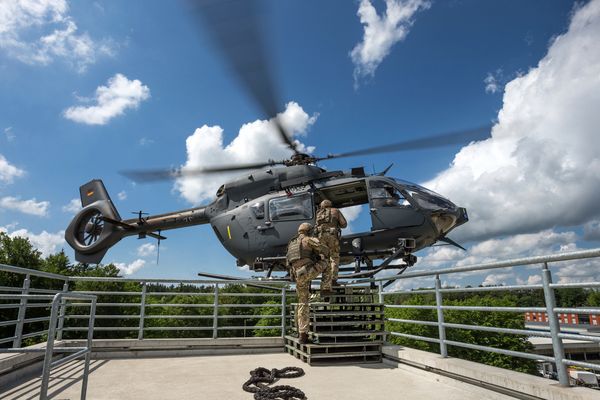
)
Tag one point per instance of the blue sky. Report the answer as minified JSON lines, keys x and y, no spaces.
{"x":447,"y":69}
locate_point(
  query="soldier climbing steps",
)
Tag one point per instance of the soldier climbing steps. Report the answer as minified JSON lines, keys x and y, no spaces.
{"x":347,"y":329}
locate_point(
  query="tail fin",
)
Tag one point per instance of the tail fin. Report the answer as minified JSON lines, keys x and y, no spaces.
{"x":94,"y":191}
{"x":89,"y":233}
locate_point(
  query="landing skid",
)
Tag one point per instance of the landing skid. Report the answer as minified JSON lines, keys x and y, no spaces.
{"x":369,"y":271}
{"x":233,"y":279}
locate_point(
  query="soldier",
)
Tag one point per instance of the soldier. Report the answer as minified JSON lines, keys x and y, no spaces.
{"x":306,"y":257}
{"x":330,"y":222}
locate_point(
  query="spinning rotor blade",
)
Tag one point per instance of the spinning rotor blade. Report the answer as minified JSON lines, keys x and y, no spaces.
{"x":235,"y":26}
{"x":155,"y":175}
{"x":445,"y":139}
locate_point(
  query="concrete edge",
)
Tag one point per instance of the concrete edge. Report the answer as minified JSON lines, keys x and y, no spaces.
{"x":527,"y":385}
{"x":16,"y":366}
{"x":164,"y":344}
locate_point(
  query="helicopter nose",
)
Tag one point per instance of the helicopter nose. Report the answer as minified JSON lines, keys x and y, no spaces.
{"x":446,"y":220}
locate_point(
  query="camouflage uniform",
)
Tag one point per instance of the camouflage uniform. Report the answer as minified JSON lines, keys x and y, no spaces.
{"x":330,"y":221}
{"x":304,"y":253}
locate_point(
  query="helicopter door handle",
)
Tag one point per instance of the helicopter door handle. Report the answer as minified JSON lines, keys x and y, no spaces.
{"x":264,"y":227}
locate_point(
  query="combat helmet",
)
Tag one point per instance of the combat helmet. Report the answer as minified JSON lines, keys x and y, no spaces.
{"x":325,"y":204}
{"x":304,"y":227}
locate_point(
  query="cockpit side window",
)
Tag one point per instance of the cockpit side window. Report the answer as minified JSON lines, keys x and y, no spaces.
{"x":383,"y":194}
{"x":297,"y":207}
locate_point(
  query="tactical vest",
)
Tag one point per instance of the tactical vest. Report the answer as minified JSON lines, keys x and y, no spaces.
{"x":324,"y":217}
{"x":296,"y":251}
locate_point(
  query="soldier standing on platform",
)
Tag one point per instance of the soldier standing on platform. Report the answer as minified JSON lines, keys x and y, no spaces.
{"x":306,"y":258}
{"x":330,"y":222}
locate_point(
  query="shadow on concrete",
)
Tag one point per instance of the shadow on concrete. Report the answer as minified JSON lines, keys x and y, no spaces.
{"x":61,"y":379}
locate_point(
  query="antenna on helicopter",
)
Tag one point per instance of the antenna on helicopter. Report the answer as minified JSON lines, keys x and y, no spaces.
{"x":385,"y":171}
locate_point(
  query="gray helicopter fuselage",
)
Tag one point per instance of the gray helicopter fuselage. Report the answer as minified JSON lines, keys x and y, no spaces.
{"x":255,"y":215}
{"x":253,"y":225}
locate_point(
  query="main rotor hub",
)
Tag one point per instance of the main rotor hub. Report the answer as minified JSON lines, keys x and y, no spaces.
{"x":300,"y":159}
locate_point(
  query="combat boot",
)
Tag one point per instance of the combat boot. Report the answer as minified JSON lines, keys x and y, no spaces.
{"x":304,"y":338}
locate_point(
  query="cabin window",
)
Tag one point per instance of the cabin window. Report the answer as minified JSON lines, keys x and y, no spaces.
{"x":385,"y":195}
{"x":298,"y":207}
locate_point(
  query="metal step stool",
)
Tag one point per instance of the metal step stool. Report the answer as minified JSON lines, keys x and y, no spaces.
{"x":347,"y":330}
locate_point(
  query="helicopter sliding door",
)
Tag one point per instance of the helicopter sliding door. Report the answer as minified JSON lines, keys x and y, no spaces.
{"x":389,"y":208}
{"x":347,"y":194}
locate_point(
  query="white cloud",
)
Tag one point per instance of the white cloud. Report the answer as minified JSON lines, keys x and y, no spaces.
{"x":9,"y":133}
{"x":147,"y":249}
{"x":578,"y":271}
{"x":256,"y":141}
{"x":73,"y":207}
{"x":40,"y":31}
{"x":111,"y":101}
{"x":541,"y":167}
{"x":531,"y":280}
{"x":122,"y":195}
{"x":31,"y":206}
{"x":145,"y":141}
{"x":522,"y":245}
{"x":493,"y":81}
{"x":128,"y":269}
{"x":8,"y":172}
{"x":47,"y":243}
{"x":501,"y":249}
{"x":591,"y":230}
{"x":497,"y":279}
{"x":351,"y":214}
{"x":382,"y":32}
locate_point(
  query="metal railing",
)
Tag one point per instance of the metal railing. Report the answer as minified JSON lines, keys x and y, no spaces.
{"x":148,"y":303}
{"x":550,"y":307}
{"x":216,"y":309}
{"x":59,"y":300}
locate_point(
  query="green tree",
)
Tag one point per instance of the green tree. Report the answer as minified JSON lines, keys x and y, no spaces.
{"x":268,"y":321}
{"x":480,"y":318}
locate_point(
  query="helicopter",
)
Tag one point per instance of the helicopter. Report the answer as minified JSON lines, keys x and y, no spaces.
{"x":256,"y":214}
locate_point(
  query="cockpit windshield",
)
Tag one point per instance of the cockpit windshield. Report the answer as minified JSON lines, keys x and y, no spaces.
{"x":424,"y":197}
{"x":383,"y":194}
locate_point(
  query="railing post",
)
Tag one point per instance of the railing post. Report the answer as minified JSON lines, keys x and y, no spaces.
{"x":380,"y":291}
{"x":142,"y":312}
{"x":88,"y":355}
{"x":49,"y":347}
{"x":557,"y":344}
{"x":22,"y":310}
{"x":283,"y":310}
{"x":216,"y":312}
{"x":62,"y":312}
{"x":440,"y":317}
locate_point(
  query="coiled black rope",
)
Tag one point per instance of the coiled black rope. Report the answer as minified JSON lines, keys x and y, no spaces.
{"x":261,"y":378}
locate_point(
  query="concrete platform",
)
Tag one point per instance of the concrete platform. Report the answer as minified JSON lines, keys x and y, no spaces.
{"x":221,"y":377}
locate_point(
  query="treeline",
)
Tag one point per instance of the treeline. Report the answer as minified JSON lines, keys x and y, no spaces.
{"x":190,"y":322}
